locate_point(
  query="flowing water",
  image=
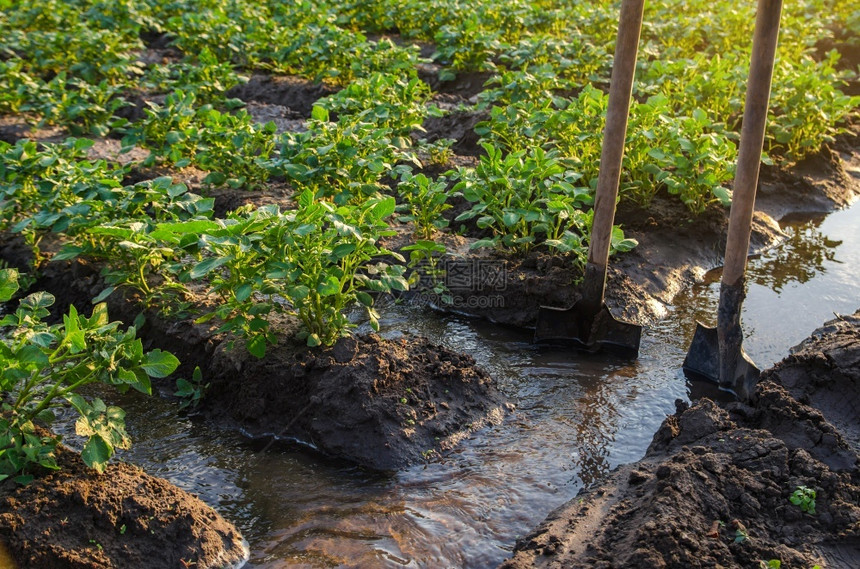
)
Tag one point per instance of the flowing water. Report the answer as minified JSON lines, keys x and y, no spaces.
{"x":578,"y":416}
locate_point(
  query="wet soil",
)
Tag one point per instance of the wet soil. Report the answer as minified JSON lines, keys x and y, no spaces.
{"x":380,"y":403}
{"x":819,"y":183}
{"x":75,"y":518}
{"x":824,"y":372}
{"x":714,"y":487}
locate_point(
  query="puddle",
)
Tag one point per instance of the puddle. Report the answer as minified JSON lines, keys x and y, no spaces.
{"x":578,"y":417}
{"x":794,"y":288}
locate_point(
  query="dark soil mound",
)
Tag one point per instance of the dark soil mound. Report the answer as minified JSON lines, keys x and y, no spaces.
{"x":380,"y":403}
{"x":824,"y":372}
{"x":459,"y":126}
{"x":818,"y":183}
{"x":76,"y":518}
{"x":714,"y":488}
{"x":294,"y":93}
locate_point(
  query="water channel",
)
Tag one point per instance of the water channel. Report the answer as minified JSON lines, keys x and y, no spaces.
{"x":577,"y":417}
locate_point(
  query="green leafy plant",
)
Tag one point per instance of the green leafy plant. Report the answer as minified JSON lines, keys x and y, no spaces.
{"x":685,"y":154}
{"x":191,"y":391}
{"x":807,"y":107}
{"x":804,"y":498}
{"x":425,"y":201}
{"x":571,"y":127}
{"x":231,"y":146}
{"x":331,"y":262}
{"x":439,"y":151}
{"x":46,"y":366}
{"x":84,"y":108}
{"x":43,"y":187}
{"x":319,"y":51}
{"x":140,"y":231}
{"x":135,"y":257}
{"x":386,"y":100}
{"x":344,"y":160}
{"x":526,"y":200}
{"x":466,"y":46}
{"x":313,"y":263}
{"x":427,"y":273}
{"x":92,"y":55}
{"x":529,"y":83}
{"x":202,"y":74}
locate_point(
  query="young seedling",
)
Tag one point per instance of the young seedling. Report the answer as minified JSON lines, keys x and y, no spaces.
{"x":804,"y":497}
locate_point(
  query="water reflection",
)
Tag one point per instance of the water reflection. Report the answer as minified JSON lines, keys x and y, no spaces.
{"x":805,"y":254}
{"x":791,"y":289}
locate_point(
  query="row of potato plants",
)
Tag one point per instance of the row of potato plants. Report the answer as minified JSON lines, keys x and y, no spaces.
{"x":698,"y":68}
{"x":155,"y":237}
{"x":696,"y":56}
{"x":328,"y":160}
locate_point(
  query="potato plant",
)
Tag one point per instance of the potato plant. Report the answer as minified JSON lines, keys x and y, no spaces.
{"x":345,"y":161}
{"x":385,"y":100}
{"x":202,"y":74}
{"x":425,"y":200}
{"x":45,"y":367}
{"x":807,"y":107}
{"x":140,"y":231}
{"x":313,"y":263}
{"x":510,"y":194}
{"x":234,"y":149}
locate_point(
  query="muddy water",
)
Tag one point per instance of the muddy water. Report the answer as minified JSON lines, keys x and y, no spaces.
{"x":578,"y":416}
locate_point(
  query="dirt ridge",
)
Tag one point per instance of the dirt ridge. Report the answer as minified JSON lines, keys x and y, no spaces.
{"x":714,"y":487}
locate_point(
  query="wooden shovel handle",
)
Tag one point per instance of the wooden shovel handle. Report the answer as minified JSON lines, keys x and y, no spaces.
{"x":620,"y":91}
{"x":752,"y":140}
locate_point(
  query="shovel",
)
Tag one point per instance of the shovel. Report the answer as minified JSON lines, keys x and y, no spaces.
{"x":588,"y":324}
{"x":716,"y":354}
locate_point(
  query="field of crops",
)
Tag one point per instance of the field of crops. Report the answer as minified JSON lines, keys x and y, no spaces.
{"x":357,"y":154}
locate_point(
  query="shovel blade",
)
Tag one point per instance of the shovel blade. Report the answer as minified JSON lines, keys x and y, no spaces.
{"x":590,"y":332}
{"x":561,"y":325}
{"x":703,"y":357}
{"x":703,"y":362}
